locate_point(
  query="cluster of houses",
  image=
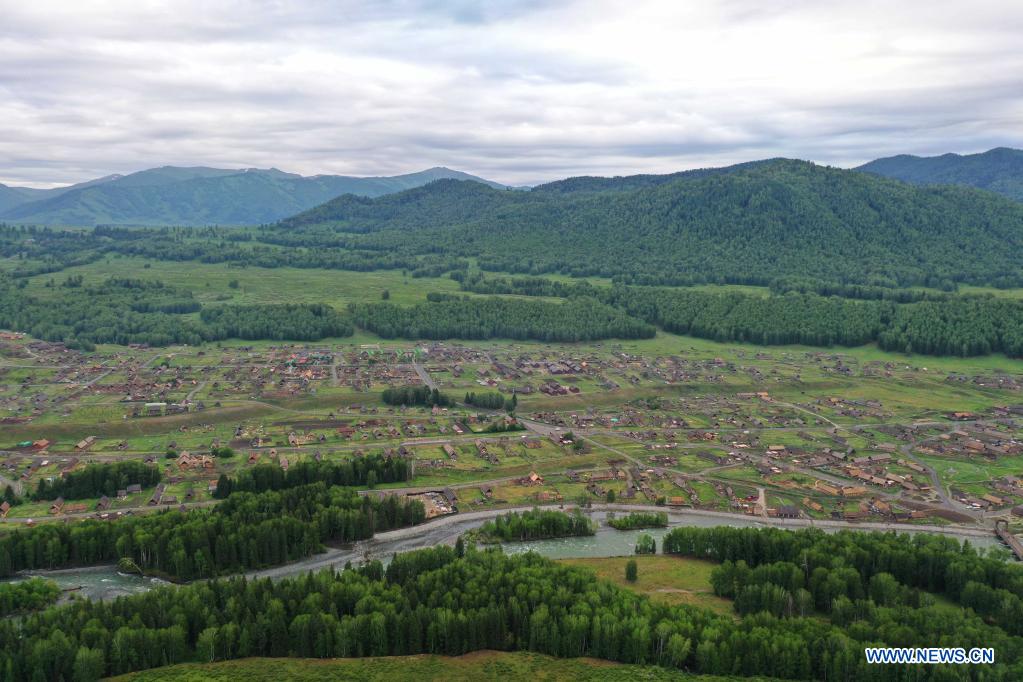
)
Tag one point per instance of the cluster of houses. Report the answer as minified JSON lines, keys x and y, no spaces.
{"x":874,"y":469}
{"x":975,"y":440}
{"x":483,"y":452}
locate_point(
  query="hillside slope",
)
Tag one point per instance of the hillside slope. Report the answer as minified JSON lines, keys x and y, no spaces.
{"x":997,"y":170}
{"x":480,"y":665}
{"x":12,"y":196}
{"x":200,"y":196}
{"x":749,"y":224}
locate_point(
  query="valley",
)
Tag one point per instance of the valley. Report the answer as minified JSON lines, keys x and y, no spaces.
{"x":322,"y":412}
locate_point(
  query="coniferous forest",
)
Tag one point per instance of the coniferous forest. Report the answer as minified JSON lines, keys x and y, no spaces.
{"x":245,"y":531}
{"x":862,"y":591}
{"x":96,"y":480}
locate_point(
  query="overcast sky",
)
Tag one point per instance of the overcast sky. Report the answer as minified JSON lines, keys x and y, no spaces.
{"x":518,"y":92}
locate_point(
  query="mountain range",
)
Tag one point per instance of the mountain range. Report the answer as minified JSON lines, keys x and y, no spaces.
{"x":192,"y":196}
{"x":173,"y":195}
{"x":997,"y":170}
{"x":750,"y":223}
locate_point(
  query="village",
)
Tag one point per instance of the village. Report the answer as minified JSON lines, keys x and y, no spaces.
{"x":771,"y":434}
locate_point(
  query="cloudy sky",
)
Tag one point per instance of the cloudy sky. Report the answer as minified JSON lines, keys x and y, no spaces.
{"x":517,"y":91}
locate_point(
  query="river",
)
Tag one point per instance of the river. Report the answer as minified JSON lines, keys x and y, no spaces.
{"x":96,"y":582}
{"x":104,"y":582}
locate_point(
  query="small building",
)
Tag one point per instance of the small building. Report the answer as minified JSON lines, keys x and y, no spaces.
{"x":85,"y":444}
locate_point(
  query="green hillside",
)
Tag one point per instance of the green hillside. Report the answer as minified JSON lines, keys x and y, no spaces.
{"x":480,"y":665}
{"x":997,"y":170}
{"x":198,"y":196}
{"x":10,"y":197}
{"x":748,"y":224}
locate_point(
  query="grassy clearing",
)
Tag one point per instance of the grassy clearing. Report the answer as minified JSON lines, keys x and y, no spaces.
{"x":667,"y":579}
{"x":480,"y":665}
{"x":209,"y":282}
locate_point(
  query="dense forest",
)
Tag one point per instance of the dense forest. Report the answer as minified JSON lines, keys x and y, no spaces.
{"x":956,"y":325}
{"x":26,"y":595}
{"x":536,"y":524}
{"x":97,"y":479}
{"x":749,"y":224}
{"x":581,"y":319}
{"x":245,"y":531}
{"x":793,"y":573}
{"x":522,"y":602}
{"x":296,"y":322}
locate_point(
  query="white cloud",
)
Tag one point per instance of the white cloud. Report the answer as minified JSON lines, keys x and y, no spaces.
{"x":517,"y":91}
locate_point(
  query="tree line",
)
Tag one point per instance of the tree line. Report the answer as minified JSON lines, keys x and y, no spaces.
{"x":415,"y":395}
{"x":954,"y":325}
{"x":491,"y":401}
{"x":788,"y":572}
{"x":358,"y":471}
{"x":95,"y":480}
{"x":245,"y":531}
{"x":282,"y":321}
{"x":582,"y":319}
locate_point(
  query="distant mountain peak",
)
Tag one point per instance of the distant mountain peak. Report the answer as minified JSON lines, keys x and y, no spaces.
{"x":998,"y":170}
{"x":200,"y":195}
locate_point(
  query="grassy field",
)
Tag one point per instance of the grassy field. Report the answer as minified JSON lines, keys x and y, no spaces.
{"x":209,"y":282}
{"x":480,"y":665}
{"x":667,"y":579}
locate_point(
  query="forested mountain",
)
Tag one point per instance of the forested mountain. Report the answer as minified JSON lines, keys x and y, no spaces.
{"x":197,"y":196}
{"x":591,"y":183}
{"x":997,"y":170}
{"x":12,"y":196}
{"x":17,"y":196}
{"x":748,"y":224}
